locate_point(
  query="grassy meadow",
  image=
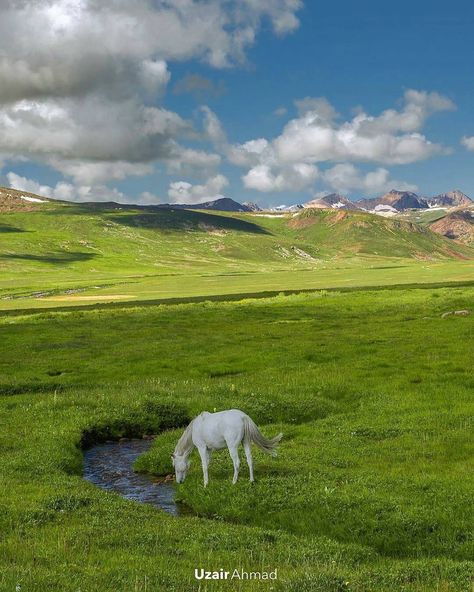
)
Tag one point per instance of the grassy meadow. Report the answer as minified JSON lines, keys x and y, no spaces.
{"x":372,"y":488}
{"x":66,"y":255}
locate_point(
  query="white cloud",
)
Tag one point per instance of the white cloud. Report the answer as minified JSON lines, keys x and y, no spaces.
{"x":80,"y":79}
{"x":250,"y":153}
{"x":292,"y":178}
{"x":468,"y":142}
{"x":315,"y":136}
{"x":187,"y":161}
{"x":90,"y":173}
{"x":393,"y":137}
{"x":320,"y":105}
{"x":114,"y":42}
{"x":90,"y":128}
{"x":213,"y":129}
{"x":66,"y":191}
{"x":154,"y":75}
{"x":23,"y":184}
{"x":347,"y":178}
{"x":187,"y":193}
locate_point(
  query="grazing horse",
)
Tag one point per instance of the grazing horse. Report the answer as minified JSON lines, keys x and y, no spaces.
{"x":213,"y":431}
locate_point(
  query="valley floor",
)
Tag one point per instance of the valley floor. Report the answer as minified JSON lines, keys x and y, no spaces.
{"x":169,"y":288}
{"x":372,"y":489}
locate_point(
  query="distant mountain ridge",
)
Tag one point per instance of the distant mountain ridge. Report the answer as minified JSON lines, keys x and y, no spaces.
{"x":333,"y":200}
{"x":391,"y":203}
{"x":451,"y":199}
{"x":394,"y":200}
{"x":399,"y":200}
{"x":222,"y":204}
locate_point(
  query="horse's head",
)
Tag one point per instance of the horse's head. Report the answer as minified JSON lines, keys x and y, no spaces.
{"x":181,"y":466}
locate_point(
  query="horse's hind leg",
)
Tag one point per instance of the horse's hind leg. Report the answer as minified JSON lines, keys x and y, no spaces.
{"x":205,"y":464}
{"x":234,"y":454}
{"x":248,"y":455}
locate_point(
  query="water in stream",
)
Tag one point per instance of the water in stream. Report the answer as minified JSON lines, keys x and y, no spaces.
{"x":110,"y":466}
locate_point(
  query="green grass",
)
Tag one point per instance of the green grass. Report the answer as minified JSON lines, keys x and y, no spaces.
{"x":70,"y":255}
{"x":372,"y":489}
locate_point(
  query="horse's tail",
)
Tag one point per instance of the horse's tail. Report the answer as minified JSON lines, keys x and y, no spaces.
{"x":253,"y":434}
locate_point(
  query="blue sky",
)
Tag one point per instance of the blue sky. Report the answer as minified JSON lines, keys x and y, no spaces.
{"x":209,"y":102}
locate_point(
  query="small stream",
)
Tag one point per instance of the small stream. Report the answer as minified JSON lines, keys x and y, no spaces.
{"x":110,"y":466}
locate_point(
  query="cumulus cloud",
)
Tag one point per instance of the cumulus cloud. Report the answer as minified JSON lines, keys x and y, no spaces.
{"x":66,"y":191}
{"x":187,"y":193}
{"x":320,"y":105}
{"x":347,"y":178}
{"x":81,"y":80}
{"x":292,"y":178}
{"x":316,"y":136}
{"x":468,"y":142}
{"x":393,"y":137}
{"x":90,"y":173}
{"x":188,"y":161}
{"x":82,"y":44}
{"x":90,"y":129}
{"x":213,"y":129}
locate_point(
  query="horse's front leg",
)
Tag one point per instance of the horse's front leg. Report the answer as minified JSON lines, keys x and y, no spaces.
{"x":234,"y":454}
{"x":203,"y":453}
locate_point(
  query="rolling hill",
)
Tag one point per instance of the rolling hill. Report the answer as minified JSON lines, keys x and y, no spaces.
{"x":348,"y":233}
{"x":51,"y":250}
{"x":168,"y":238}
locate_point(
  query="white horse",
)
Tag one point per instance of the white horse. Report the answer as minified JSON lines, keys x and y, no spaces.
{"x":213,"y":431}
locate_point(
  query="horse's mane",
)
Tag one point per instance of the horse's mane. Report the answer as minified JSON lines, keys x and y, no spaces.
{"x":185,"y":443}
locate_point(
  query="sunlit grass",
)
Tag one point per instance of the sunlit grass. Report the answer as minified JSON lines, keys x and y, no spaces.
{"x":372,"y":489}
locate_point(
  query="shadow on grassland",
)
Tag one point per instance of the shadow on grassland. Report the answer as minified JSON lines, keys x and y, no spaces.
{"x":163,"y":218}
{"x":58,"y":258}
{"x":6,"y":228}
{"x":188,"y":220}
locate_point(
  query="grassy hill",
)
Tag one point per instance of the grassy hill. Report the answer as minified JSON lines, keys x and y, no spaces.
{"x":82,"y":253}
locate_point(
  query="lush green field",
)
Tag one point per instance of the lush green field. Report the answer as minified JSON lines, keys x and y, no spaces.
{"x":372,"y":490}
{"x":69,"y":255}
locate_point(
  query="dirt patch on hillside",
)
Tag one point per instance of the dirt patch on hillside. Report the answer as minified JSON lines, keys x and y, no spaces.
{"x":300,"y":222}
{"x":338,"y":217}
{"x":312,"y":216}
{"x":12,"y":200}
{"x":211,"y":229}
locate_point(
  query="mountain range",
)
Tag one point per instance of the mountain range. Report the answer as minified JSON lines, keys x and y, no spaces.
{"x":395,"y":201}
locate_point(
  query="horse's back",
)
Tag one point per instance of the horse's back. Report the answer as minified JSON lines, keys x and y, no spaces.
{"x":230,"y":414}
{"x":217,"y":428}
